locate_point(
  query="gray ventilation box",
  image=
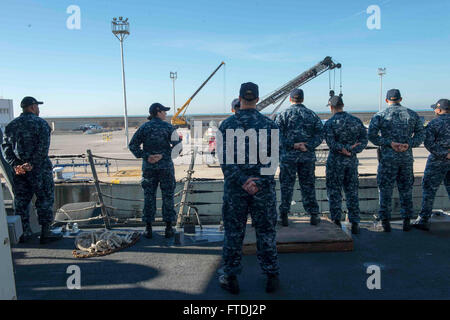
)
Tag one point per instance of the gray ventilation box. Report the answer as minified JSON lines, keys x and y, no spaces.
{"x":14,"y":228}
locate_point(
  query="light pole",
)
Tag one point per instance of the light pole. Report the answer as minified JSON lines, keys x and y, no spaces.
{"x":121,"y":29}
{"x":381,"y":73}
{"x":173,"y":76}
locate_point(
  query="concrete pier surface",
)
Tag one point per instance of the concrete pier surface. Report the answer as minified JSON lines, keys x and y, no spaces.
{"x":77,"y":143}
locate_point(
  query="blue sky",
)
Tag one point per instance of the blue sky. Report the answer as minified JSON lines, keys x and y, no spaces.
{"x":78,"y":72}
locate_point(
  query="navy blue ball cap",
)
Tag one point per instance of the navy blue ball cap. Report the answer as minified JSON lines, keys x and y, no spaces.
{"x":393,"y":94}
{"x":29,"y":101}
{"x":336,"y":101}
{"x":443,"y":104}
{"x":157,"y":107}
{"x":297,"y":94}
{"x":235,"y":104}
{"x":249,"y":91}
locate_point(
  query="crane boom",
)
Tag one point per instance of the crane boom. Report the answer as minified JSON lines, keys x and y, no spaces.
{"x":282,"y":93}
{"x":180,"y":120}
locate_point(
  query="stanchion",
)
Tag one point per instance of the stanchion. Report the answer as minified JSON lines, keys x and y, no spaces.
{"x":187,"y":186}
{"x":99,"y":191}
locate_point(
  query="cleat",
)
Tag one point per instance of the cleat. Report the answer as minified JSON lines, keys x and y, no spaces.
{"x":229,"y":283}
{"x":273,"y":283}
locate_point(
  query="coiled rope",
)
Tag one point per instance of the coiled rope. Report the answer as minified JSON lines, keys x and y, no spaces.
{"x":103,"y":242}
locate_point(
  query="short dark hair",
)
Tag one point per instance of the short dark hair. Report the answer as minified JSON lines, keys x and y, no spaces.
{"x":297,"y":100}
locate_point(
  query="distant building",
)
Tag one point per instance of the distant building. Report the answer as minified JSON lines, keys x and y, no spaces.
{"x":6,"y":112}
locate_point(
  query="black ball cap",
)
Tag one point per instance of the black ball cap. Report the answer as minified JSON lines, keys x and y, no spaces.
{"x":235,"y":104}
{"x":297,"y":94}
{"x":157,"y":107}
{"x":249,"y":91}
{"x":29,"y":101}
{"x":393,"y":94}
{"x":443,"y":104}
{"x":336,"y":101}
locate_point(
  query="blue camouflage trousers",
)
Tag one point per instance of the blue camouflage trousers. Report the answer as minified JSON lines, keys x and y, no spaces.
{"x":343,"y":175}
{"x":306,"y":179}
{"x":262,"y":208}
{"x":388,"y":174}
{"x":39,"y":183}
{"x":435,"y":172}
{"x":165,"y":178}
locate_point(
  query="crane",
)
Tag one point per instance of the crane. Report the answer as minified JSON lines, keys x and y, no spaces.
{"x":283,"y":92}
{"x":178,"y":120}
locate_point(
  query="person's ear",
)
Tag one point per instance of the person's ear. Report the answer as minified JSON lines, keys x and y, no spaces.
{"x":400,"y":100}
{"x":257,"y":99}
{"x":387,"y":101}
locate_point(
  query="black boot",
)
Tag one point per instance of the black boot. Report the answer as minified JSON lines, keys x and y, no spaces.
{"x":422,"y":224}
{"x":386,"y":225}
{"x":284,"y":219}
{"x":272,"y":284}
{"x":148,"y":231}
{"x":169,"y":230}
{"x":355,"y":228}
{"x":315,"y":219}
{"x":338,"y":223}
{"x":406,"y":224}
{"x":229,"y":283}
{"x":48,"y":236}
{"x":27,"y":233}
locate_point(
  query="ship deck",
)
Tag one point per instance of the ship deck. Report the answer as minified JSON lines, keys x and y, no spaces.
{"x":414,"y":265}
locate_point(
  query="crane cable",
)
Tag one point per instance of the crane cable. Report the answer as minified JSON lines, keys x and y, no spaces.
{"x":332,"y":91}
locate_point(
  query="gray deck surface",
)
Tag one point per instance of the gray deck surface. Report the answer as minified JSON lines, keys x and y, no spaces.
{"x":414,"y":265}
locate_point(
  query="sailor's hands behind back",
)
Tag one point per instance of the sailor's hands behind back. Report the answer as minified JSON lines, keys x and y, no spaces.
{"x":154,"y":158}
{"x":300,"y":146}
{"x":399,"y":147}
{"x":22,"y":169}
{"x":250,"y":186}
{"x":347,"y":153}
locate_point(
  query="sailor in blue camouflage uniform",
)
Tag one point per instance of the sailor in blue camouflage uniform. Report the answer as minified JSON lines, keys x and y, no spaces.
{"x":346,"y":136}
{"x":301,"y":132}
{"x":396,"y":130}
{"x":249,"y":187}
{"x":26,"y":143}
{"x":160,"y":142}
{"x":437,"y":142}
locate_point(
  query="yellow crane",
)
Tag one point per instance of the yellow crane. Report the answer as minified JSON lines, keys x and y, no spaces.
{"x":179,"y":120}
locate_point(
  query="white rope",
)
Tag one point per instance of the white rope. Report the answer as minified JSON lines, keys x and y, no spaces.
{"x":103,"y":240}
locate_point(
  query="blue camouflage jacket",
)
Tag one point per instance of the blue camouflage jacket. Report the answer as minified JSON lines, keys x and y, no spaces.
{"x":27,"y":140}
{"x":342,"y":131}
{"x":299,"y":124}
{"x":396,"y":124}
{"x":437,"y":138}
{"x":238,"y":172}
{"x":157,"y":137}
